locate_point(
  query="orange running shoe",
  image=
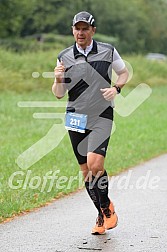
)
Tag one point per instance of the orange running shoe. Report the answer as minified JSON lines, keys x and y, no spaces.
{"x":99,"y":228}
{"x":110,"y":217}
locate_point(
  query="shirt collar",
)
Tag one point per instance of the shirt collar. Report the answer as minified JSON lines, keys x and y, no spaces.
{"x":92,"y":48}
{"x":86,"y":50}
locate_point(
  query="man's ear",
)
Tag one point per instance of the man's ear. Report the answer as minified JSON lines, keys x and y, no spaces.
{"x":94,"y":29}
{"x":72,"y":29}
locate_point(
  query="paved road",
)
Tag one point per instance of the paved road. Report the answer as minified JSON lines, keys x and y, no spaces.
{"x":64,"y":226}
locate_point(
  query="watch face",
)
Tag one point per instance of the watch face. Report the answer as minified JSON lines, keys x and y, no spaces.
{"x":118,"y":89}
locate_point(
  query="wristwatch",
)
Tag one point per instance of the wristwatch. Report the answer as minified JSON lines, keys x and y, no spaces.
{"x":118,"y":89}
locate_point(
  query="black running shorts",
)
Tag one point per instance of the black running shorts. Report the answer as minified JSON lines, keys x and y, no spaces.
{"x":93,"y":140}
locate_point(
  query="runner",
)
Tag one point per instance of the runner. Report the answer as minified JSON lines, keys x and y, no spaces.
{"x":85,"y":71}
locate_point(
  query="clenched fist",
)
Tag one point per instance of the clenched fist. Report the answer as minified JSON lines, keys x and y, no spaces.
{"x":59,"y":71}
{"x":109,"y":93}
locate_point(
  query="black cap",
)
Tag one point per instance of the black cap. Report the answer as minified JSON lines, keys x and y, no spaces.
{"x":84,"y":16}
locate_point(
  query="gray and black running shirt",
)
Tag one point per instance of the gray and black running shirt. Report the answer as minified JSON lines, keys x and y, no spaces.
{"x":85,"y":75}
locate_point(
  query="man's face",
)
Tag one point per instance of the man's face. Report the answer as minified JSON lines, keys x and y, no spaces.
{"x":83,"y":34}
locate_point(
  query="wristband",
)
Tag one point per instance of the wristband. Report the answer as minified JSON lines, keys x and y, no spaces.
{"x":118,"y":89}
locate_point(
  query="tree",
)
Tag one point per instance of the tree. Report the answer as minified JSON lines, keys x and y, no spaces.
{"x":139,"y":25}
{"x":12,"y":16}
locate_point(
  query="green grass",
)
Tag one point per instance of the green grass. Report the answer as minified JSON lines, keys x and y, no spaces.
{"x":147,"y":71}
{"x":137,"y":138}
{"x":17,"y":69}
{"x":141,"y":135}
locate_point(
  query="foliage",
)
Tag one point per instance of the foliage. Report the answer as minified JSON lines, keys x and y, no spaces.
{"x":138,"y":26}
{"x":33,"y":44}
{"x":13,"y":14}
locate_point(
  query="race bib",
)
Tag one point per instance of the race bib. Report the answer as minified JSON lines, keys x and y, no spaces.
{"x":76,"y":122}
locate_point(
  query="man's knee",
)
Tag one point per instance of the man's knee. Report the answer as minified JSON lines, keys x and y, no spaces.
{"x":95,"y":163}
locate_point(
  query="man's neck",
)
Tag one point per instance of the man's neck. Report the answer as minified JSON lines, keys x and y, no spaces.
{"x":84,"y":48}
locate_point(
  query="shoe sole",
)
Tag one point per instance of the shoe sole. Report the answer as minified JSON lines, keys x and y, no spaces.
{"x":97,"y":233}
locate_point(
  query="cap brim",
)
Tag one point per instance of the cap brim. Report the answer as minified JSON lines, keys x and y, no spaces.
{"x":81,"y":21}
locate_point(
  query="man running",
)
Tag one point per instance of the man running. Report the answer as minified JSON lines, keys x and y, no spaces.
{"x":85,"y":70}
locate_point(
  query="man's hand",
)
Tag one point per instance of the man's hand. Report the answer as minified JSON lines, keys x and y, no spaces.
{"x":109,"y":93}
{"x":59,"y":71}
{"x":58,"y":87}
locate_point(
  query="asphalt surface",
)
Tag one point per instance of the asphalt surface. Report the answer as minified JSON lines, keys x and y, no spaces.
{"x":139,"y":196}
